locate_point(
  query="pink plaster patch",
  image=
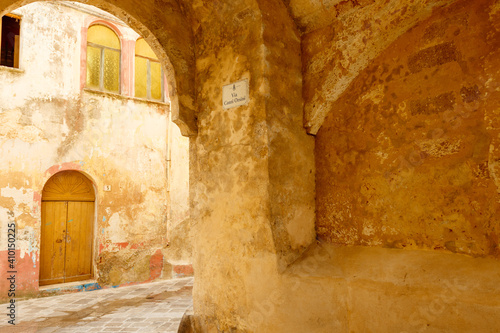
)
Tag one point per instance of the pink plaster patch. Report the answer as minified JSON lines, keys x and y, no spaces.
{"x":37,"y":202}
{"x":37,"y":197}
{"x":155,"y":265}
{"x":184,"y":270}
{"x":137,"y":246}
{"x":121,"y":246}
{"x":26,"y":276}
{"x":63,"y":166}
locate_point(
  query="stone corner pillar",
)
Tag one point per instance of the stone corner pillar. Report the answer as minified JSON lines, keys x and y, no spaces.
{"x":252,"y":166}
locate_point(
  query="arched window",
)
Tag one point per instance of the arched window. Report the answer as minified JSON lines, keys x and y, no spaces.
{"x":103,"y":59}
{"x":148,"y":72}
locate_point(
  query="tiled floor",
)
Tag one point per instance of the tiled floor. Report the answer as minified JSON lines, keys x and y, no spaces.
{"x":152,"y":307}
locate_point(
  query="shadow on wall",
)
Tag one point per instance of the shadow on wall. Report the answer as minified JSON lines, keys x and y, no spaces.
{"x":407,"y":158}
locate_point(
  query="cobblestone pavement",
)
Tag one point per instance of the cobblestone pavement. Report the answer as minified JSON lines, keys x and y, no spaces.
{"x":151,"y":307}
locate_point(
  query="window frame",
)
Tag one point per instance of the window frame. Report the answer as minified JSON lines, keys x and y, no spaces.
{"x":101,"y":68}
{"x":18,"y":58}
{"x":149,"y":82}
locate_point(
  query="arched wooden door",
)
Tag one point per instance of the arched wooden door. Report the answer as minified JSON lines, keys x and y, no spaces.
{"x":67,"y":228}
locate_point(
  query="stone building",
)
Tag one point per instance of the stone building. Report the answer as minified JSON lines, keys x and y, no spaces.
{"x":356,"y":188}
{"x":93,"y":171}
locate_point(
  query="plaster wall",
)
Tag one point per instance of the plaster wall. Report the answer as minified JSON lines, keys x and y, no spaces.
{"x":50,"y":124}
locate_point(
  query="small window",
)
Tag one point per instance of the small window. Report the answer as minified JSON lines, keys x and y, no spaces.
{"x":9,"y":47}
{"x":148,"y":72}
{"x":103,"y":59}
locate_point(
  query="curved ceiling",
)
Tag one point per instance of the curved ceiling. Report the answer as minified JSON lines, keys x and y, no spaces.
{"x":339,"y":39}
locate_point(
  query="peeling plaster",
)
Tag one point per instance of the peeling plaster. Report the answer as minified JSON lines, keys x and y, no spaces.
{"x":49,"y":124}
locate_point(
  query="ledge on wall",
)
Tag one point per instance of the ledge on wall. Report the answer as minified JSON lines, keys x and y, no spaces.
{"x":11,"y":70}
{"x":118,"y":96}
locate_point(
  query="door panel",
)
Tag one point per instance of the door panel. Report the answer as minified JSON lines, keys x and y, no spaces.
{"x":79,"y":241}
{"x":52,"y":245}
{"x":67,"y":228}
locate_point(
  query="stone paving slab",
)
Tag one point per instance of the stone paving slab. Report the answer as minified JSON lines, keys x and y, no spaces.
{"x":153,"y":307}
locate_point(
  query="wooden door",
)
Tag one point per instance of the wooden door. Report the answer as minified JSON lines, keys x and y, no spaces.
{"x":67,"y":229}
{"x":52,"y":245}
{"x":79,"y":241}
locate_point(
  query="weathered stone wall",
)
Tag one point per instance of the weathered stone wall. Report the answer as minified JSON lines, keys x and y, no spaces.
{"x":49,"y":124}
{"x":407,"y":157}
{"x":252,"y":166}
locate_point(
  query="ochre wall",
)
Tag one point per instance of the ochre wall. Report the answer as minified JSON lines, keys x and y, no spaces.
{"x":49,"y":125}
{"x":407,"y":156}
{"x":252,"y":167}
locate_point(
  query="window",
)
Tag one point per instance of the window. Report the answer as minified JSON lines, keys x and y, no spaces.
{"x":9,"y":46}
{"x":148,"y":72}
{"x":103,"y":59}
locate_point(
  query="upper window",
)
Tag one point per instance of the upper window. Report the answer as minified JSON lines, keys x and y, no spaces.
{"x":148,"y":72}
{"x":103,"y":59}
{"x":9,"y":46}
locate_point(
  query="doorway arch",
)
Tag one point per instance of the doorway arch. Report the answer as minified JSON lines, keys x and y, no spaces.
{"x":68,"y":206}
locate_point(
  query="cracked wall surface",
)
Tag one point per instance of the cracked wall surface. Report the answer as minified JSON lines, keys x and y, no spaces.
{"x":49,"y":124}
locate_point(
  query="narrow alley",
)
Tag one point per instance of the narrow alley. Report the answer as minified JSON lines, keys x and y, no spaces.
{"x":152,"y":307}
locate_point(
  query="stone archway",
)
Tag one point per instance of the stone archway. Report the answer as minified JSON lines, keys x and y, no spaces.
{"x":252,"y":167}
